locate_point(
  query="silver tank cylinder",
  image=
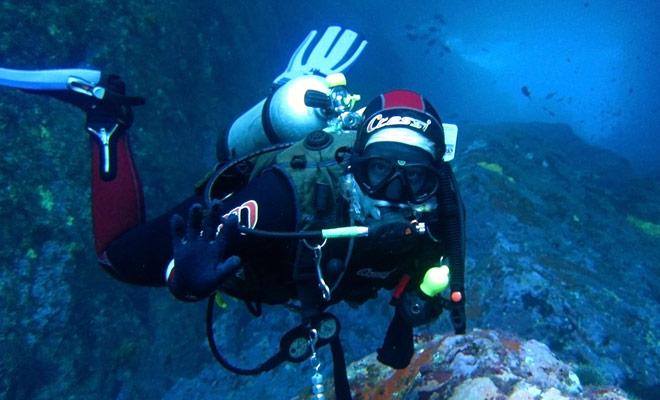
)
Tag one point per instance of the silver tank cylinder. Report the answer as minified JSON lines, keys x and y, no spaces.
{"x":281,"y":117}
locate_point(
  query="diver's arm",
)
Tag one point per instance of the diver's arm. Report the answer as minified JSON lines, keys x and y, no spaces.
{"x":142,"y":254}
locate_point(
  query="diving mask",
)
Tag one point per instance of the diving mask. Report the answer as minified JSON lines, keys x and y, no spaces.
{"x":397,"y":173}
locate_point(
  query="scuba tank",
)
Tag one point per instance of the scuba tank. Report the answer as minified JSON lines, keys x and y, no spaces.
{"x":302,"y":105}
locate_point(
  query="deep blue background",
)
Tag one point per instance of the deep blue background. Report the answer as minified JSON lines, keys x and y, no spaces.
{"x":591,"y":64}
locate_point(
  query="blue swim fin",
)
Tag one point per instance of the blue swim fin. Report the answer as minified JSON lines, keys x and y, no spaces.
{"x":79,"y":80}
{"x":79,"y":87}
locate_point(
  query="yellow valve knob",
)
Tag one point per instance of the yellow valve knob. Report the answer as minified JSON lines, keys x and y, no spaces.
{"x":435,"y":280}
{"x":337,"y":79}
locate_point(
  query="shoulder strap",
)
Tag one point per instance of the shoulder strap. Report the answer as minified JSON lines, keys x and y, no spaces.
{"x":315,"y":174}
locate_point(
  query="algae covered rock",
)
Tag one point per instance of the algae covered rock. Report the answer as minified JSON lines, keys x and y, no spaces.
{"x":483,"y":364}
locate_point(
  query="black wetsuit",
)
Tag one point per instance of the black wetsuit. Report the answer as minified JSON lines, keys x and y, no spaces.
{"x":269,"y":203}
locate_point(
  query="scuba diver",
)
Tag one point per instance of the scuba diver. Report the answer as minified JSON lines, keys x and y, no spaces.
{"x":311,"y":202}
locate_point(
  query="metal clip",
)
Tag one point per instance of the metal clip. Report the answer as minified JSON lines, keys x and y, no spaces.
{"x":87,"y":88}
{"x":318,"y":253}
{"x":104,"y":137}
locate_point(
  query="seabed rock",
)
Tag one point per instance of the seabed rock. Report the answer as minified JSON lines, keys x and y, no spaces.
{"x":483,"y":364}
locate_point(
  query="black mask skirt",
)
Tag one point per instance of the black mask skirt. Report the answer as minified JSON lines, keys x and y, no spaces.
{"x":396,"y":172}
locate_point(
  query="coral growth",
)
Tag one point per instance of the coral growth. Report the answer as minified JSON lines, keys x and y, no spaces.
{"x":484,"y":364}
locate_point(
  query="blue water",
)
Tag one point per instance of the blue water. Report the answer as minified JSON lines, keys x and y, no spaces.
{"x":591,"y":64}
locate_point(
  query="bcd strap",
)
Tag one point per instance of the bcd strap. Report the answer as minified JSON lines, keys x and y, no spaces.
{"x":342,"y":389}
{"x":398,"y":346}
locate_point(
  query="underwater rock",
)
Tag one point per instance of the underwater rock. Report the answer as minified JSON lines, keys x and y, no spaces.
{"x":483,"y":364}
{"x":541,"y":248}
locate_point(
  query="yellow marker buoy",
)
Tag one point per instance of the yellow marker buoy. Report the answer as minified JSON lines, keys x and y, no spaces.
{"x":435,"y":280}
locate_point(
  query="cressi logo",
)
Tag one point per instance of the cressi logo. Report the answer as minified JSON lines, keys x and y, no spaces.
{"x":370,"y":273}
{"x":379,"y":121}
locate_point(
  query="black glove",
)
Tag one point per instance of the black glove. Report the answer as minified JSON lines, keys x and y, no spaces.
{"x":201,"y":259}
